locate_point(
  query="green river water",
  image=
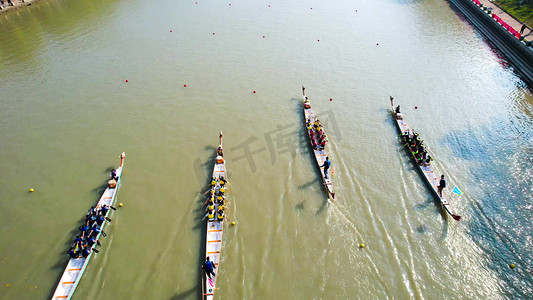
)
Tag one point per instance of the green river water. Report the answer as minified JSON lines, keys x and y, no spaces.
{"x":66,"y":114}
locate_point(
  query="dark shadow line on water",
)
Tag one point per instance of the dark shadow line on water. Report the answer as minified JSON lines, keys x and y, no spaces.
{"x":184,"y":295}
{"x":307,"y":184}
{"x":322,"y":207}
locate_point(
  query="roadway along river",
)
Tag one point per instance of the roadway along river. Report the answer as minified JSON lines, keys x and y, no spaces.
{"x":66,"y":114}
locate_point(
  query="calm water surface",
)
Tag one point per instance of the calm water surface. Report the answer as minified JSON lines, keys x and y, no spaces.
{"x":66,"y":113}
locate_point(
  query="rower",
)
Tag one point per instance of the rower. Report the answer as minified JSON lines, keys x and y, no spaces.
{"x":72,"y":253}
{"x":221,"y":191}
{"x":209,"y":267}
{"x":213,"y":182}
{"x":210,"y":215}
{"x":114,"y":175}
{"x":210,"y":207}
{"x":306,"y":103}
{"x":323,"y":144}
{"x":220,"y":151}
{"x":104,"y":210}
{"x":220,"y":216}
{"x":91,"y":241}
{"x":222,"y":182}
{"x":86,"y":251}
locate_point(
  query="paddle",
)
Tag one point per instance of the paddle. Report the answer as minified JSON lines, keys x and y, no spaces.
{"x":95,"y":250}
{"x":108,"y":219}
{"x":454,"y":216}
{"x":103,"y":233}
{"x":112,"y":207}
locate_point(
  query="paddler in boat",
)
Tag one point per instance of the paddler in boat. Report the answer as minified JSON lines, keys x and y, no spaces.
{"x":220,"y":199}
{"x":210,"y":216}
{"x":72,"y":253}
{"x":210,"y":206}
{"x":326,"y":165}
{"x":209,"y":267}
{"x":220,"y":215}
{"x":104,"y":210}
{"x":316,"y":124}
{"x":398,"y":114}
{"x":222,"y":181}
{"x":220,"y":151}
{"x":114,"y":175}
{"x":442,"y":185}
{"x":311,"y":133}
{"x":86,"y":251}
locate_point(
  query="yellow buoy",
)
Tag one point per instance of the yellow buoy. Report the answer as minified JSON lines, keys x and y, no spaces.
{"x":8,"y":284}
{"x":512,"y":266}
{"x":361,"y":245}
{"x":121,"y":204}
{"x":233,"y":223}
{"x":32,"y":190}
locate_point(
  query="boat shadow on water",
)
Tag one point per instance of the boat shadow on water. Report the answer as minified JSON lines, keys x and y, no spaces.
{"x":185,"y":295}
{"x":438,"y":210}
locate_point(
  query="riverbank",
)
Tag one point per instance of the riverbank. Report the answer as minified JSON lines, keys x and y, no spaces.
{"x":523,"y":12}
{"x":503,"y":31}
{"x":15,"y":4}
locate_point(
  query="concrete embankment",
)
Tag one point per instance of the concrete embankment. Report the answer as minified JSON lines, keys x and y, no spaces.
{"x":14,"y":4}
{"x":516,"y":51}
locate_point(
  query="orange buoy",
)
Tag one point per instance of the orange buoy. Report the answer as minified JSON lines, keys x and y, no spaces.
{"x":184,"y":85}
{"x":254,"y":92}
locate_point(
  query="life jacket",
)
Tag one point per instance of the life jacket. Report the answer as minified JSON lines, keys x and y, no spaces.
{"x":213,"y":183}
{"x":220,"y":216}
{"x":211,"y":207}
{"x":209,"y":265}
{"x":210,"y":215}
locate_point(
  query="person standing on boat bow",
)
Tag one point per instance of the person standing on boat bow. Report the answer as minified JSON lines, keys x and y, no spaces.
{"x":442,"y":185}
{"x":209,"y":267}
{"x":326,"y":165}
